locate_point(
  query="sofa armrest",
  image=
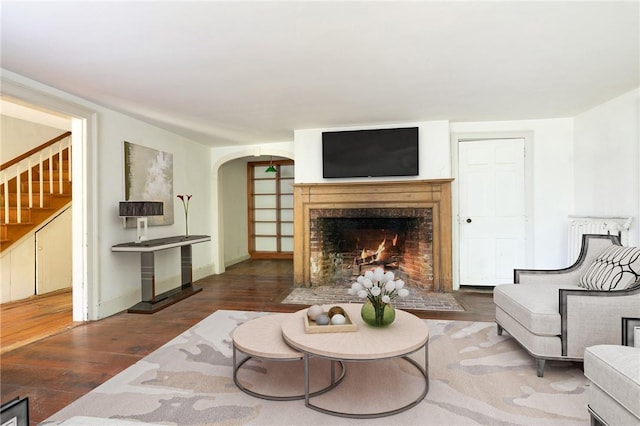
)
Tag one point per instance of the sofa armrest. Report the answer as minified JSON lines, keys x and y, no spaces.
{"x":589,"y":318}
{"x":592,"y":246}
{"x":566,"y":276}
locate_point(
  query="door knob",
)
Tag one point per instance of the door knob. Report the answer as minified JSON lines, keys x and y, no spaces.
{"x":469,"y":220}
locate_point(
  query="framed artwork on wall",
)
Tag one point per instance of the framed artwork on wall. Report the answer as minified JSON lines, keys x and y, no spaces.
{"x":148,"y":176}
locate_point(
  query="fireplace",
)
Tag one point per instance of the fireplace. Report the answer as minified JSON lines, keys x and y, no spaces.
{"x":341,"y":230}
{"x":346,"y":243}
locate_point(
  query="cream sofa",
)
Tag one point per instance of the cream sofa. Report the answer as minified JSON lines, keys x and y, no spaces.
{"x":557,"y":314}
{"x":614,"y":394}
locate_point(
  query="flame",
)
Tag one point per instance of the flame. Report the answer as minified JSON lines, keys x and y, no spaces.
{"x":380,"y":249}
{"x":367,"y":255}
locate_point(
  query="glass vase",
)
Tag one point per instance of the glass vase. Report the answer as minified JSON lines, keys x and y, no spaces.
{"x":378,"y":315}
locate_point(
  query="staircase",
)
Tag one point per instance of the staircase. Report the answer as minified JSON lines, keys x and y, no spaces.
{"x":34,"y":187}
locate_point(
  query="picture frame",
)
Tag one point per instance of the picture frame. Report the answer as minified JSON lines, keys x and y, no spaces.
{"x":15,"y":412}
{"x":631,"y":332}
{"x":148,"y":176}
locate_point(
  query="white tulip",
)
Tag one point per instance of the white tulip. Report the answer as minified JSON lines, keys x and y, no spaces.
{"x":360,"y":279}
{"x":403,"y":292}
{"x":357,"y":286}
{"x":389,"y":276}
{"x":386,"y":299}
{"x":367,"y":283}
{"x":369,"y":274}
{"x":362,"y":294}
{"x":390,"y":286}
{"x":375,"y":291}
{"x":399,"y":284}
{"x":378,"y":274}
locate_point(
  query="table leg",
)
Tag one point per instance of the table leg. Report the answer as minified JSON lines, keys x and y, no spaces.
{"x":333,"y":371}
{"x":185,"y":263}
{"x":306,"y":379}
{"x":152,"y":302}
{"x":424,"y":371}
{"x":234,"y":362}
{"x":147,"y":268}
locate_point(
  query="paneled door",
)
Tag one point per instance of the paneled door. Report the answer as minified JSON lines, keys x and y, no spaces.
{"x":271,"y":209}
{"x":492,"y":219}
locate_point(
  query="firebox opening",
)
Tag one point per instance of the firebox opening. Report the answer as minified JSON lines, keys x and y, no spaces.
{"x":349,"y":246}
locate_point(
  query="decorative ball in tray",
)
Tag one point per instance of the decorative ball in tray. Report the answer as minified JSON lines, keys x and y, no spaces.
{"x":334,"y":320}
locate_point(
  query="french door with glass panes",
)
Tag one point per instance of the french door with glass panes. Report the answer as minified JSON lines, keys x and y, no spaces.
{"x":270,"y":209}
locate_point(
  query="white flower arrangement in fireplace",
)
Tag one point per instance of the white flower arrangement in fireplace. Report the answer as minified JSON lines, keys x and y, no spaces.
{"x":380,"y":288}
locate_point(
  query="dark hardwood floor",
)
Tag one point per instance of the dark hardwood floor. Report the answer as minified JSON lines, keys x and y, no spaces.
{"x":56,"y":370}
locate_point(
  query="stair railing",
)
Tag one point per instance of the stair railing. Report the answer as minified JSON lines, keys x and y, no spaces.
{"x":13,"y":169}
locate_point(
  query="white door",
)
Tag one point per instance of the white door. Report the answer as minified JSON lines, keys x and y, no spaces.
{"x":492,"y":210}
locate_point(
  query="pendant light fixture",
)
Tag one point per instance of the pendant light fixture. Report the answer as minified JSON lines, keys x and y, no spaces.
{"x":271,"y":168}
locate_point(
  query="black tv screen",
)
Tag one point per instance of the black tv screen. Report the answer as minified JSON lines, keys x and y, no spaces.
{"x":370,"y":153}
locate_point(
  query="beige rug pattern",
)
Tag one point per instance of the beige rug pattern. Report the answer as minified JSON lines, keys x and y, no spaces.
{"x":476,"y":377}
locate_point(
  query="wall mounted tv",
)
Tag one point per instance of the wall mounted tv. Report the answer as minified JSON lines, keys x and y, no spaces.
{"x":370,"y":153}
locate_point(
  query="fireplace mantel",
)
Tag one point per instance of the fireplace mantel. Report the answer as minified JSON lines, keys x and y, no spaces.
{"x":434,"y":194}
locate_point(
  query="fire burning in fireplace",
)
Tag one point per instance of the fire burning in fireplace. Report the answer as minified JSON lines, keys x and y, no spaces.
{"x":348,"y":245}
{"x":389,"y":258}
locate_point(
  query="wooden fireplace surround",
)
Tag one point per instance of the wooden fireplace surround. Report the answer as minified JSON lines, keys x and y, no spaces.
{"x":434,"y":194}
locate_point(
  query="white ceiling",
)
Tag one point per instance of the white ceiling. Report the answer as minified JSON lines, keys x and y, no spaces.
{"x":233,"y":73}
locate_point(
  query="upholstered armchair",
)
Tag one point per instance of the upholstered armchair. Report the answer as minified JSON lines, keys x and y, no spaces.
{"x":556,"y":314}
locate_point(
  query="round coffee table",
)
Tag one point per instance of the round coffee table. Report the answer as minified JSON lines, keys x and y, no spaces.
{"x":262,"y":338}
{"x":407,"y":334}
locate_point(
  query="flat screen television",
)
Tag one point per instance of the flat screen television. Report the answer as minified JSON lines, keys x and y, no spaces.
{"x":370,"y":153}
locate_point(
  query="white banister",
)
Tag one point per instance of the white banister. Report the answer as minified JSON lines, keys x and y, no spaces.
{"x":18,"y":195}
{"x":30,"y":182}
{"x":69,"y":156}
{"x":5,"y":182}
{"x":27,"y":164}
{"x":60,"y":167}
{"x":41,"y":179}
{"x":50,"y":170}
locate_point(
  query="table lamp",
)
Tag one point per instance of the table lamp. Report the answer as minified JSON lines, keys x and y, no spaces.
{"x":140,"y":210}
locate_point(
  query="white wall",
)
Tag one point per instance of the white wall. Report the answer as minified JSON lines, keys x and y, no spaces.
{"x":119,"y":286}
{"x":18,"y":272}
{"x":233,"y":187}
{"x":607,"y":161}
{"x":434,"y":152}
{"x":54,"y":254}
{"x":551,"y":180}
{"x":12,"y":108}
{"x":18,"y":136}
{"x":552,"y":174}
{"x":112,"y":280}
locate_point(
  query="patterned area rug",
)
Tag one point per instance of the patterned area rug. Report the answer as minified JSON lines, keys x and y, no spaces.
{"x":476,"y":377}
{"x":418,"y":299}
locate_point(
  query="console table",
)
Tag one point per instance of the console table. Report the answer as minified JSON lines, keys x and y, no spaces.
{"x":150,"y":301}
